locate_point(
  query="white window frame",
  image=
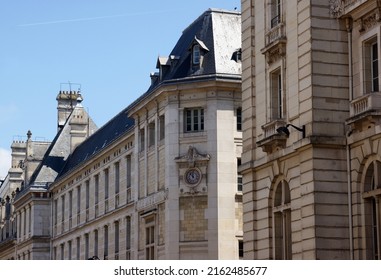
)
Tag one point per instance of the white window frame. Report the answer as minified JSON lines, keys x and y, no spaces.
{"x":276,"y":94}
{"x":196,"y":54}
{"x":194,"y":119}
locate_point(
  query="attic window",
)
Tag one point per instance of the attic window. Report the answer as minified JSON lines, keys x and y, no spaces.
{"x":196,"y":54}
{"x":237,"y":55}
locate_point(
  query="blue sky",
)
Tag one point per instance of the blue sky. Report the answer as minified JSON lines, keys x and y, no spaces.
{"x":109,"y":47}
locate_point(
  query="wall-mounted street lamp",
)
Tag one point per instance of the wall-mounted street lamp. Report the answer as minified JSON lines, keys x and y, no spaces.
{"x":283,"y":130}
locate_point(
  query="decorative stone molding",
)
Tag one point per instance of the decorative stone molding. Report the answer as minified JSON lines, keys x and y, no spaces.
{"x":152,"y":200}
{"x":369,"y":21}
{"x":192,"y":156}
{"x":336,"y":8}
{"x":193,"y":160}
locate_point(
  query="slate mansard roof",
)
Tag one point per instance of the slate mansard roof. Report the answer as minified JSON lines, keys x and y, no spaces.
{"x":98,"y":141}
{"x":218,"y":31}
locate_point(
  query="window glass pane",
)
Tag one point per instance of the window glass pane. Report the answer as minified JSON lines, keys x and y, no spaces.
{"x":196,"y":54}
{"x":374,"y":67}
{"x":189,"y":120}
{"x":201,"y":119}
{"x":278,"y":196}
{"x":239,"y":119}
{"x":195,"y":120}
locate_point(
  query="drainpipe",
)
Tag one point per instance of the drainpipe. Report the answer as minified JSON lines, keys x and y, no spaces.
{"x":348,"y":24}
{"x":349,"y":180}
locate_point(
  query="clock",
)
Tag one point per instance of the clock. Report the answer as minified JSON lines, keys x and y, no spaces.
{"x":193,"y":176}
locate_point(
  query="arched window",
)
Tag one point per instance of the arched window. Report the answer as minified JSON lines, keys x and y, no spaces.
{"x":372,"y":210}
{"x":282,"y":222}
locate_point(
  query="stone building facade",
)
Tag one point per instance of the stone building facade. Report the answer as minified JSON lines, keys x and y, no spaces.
{"x":159,"y":180}
{"x":311,"y":129}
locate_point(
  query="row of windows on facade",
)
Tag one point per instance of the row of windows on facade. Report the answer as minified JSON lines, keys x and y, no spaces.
{"x":75,"y":246}
{"x":371,"y":79}
{"x":281,"y":211}
{"x":95,"y":194}
{"x":370,"y":53}
{"x":194,"y":122}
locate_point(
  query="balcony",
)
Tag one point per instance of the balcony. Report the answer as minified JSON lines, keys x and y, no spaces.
{"x":275,"y":41}
{"x":272,"y":140}
{"x":364,"y":110}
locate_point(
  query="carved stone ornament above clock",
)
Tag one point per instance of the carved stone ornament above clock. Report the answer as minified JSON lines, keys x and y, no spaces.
{"x":192,"y":156}
{"x":193,"y":169}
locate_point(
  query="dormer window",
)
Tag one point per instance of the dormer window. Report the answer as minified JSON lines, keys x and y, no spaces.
{"x":197,"y":49}
{"x":196,"y":54}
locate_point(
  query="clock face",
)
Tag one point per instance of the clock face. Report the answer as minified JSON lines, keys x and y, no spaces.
{"x":193,"y":176}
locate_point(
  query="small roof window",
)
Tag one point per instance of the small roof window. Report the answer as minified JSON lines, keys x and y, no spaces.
{"x":196,"y":54}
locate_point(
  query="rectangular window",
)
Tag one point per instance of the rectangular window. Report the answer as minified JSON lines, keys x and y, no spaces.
{"x":239,"y":176}
{"x":150,"y":242}
{"x":62,"y":208}
{"x":275,"y":12}
{"x":96,"y":189}
{"x":374,"y":58}
{"x":70,"y":204}
{"x":151,"y":134}
{"x":117,"y":179}
{"x":239,"y":119}
{"x":24,"y":222}
{"x":86,"y":246}
{"x":105,"y":243}
{"x":78,"y":199}
{"x":196,"y":54}
{"x":78,"y":204}
{"x":128,"y":233}
{"x":276,"y":95}
{"x":116,"y":240}
{"x":55,"y":211}
{"x":87,"y":188}
{"x":96,"y":243}
{"x":69,"y":249}
{"x":161,"y":127}
{"x":106,"y":174}
{"x":30,"y":221}
{"x":78,"y":248}
{"x":128,"y":238}
{"x":141,"y":140}
{"x":129,"y":169}
{"x":194,"y":120}
{"x":62,"y":249}
{"x":240,"y":249}
{"x":371,"y":81}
